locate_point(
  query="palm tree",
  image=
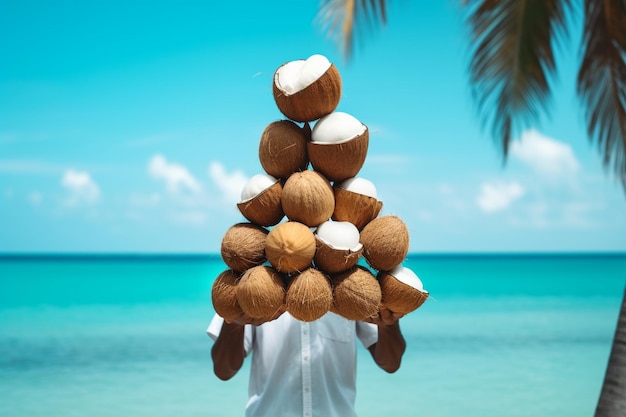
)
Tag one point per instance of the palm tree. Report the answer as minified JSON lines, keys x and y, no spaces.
{"x":513,"y":62}
{"x":510,"y":70}
{"x":612,"y":401}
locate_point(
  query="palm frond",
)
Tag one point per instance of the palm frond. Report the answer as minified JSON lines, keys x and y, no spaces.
{"x":513,"y":60}
{"x":348,"y":19}
{"x":602,"y":80}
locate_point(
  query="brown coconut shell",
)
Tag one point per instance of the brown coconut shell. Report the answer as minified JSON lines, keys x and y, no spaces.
{"x":265,"y":209}
{"x":261,"y":292}
{"x":339,"y":161}
{"x":356,"y":294}
{"x":224,"y":295}
{"x":315,"y":101}
{"x":308,"y":198}
{"x":358,"y":209}
{"x":398,"y":296}
{"x":282,"y":149}
{"x":385,"y":242}
{"x":243,"y":246}
{"x":334,"y":261}
{"x":309,"y":295}
{"x":290,"y":247}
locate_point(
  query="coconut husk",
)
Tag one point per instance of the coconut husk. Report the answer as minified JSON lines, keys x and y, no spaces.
{"x":308,"y":198}
{"x":265,"y":209}
{"x":309,"y":295}
{"x":339,"y":161}
{"x":261,"y":292}
{"x":333,"y":261}
{"x":224,"y":295}
{"x":315,"y":101}
{"x":358,"y":209}
{"x":385,"y":242}
{"x":290,"y":247}
{"x":282,"y":149}
{"x":398,"y":296}
{"x":356,"y":294}
{"x":243,"y":246}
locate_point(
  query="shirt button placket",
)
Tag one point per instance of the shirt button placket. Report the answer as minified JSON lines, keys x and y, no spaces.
{"x":307,"y":400}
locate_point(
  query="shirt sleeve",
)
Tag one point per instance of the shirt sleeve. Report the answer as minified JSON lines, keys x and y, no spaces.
{"x":367,"y":333}
{"x":215,"y":327}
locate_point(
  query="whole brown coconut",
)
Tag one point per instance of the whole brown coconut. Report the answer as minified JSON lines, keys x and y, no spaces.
{"x":265,"y":209}
{"x":308,"y":198}
{"x":290,"y":247}
{"x":309,"y":295}
{"x":243,"y":246}
{"x":282,"y":150}
{"x":398,"y":296}
{"x":261,"y":292}
{"x":315,"y":101}
{"x":385,"y":242}
{"x":339,"y":161}
{"x":356,"y":294}
{"x":224,"y":295}
{"x":355,"y":208}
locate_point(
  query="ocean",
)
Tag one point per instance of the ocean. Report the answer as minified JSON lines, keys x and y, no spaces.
{"x":501,"y":335}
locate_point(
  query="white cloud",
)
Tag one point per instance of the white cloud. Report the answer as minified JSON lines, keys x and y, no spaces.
{"x":176,"y":177}
{"x":545,"y":155}
{"x":82,"y":189}
{"x":498,"y":196}
{"x":230,"y":184}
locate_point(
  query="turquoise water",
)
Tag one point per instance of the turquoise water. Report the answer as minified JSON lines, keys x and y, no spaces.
{"x":500,"y":336}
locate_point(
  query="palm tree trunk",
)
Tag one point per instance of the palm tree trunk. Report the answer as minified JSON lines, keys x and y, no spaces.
{"x":612,"y":402}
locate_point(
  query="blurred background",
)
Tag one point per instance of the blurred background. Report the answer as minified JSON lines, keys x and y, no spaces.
{"x":127,"y":130}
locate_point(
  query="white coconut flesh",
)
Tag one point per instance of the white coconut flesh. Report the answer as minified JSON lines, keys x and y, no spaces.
{"x":408,"y":277}
{"x":339,"y":235}
{"x":359,"y":186}
{"x":337,"y":127}
{"x":295,"y":76}
{"x":256,"y":185}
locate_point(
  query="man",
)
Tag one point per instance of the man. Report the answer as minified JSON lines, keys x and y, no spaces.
{"x":303,"y":369}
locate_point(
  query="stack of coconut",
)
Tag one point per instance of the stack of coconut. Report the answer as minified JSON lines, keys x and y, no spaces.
{"x":307,"y":228}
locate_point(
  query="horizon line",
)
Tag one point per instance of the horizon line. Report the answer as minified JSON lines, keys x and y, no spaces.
{"x":213,"y":255}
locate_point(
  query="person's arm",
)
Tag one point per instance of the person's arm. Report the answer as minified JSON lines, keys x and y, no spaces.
{"x":228,"y":352}
{"x":388,"y":350}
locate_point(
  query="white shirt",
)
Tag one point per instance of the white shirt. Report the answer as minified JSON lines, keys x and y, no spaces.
{"x":303,"y":369}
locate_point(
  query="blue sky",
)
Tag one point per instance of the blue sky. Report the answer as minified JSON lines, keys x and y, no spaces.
{"x":131,"y":127}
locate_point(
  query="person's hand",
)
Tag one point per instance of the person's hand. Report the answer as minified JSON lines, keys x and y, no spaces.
{"x":244,"y":319}
{"x":385,"y":317}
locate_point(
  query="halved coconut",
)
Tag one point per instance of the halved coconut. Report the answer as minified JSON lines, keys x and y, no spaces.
{"x":224,"y":295}
{"x":308,"y":198}
{"x":282,"y":149}
{"x":309,"y":295}
{"x":290,"y":247}
{"x":338,"y":247}
{"x":305,"y":90}
{"x":402,"y":290}
{"x":338,"y":146}
{"x":385,"y":242}
{"x":261,"y":292}
{"x":243,"y":246}
{"x":260,"y":200}
{"x":356,"y":202}
{"x":356,"y":294}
